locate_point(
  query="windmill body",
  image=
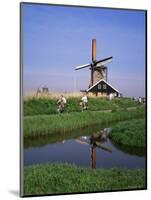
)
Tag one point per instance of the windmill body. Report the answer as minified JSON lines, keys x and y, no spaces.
{"x":99,"y":74}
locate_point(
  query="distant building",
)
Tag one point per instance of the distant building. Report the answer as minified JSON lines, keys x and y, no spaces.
{"x":102,"y":88}
{"x":45,"y":89}
{"x":41,"y":92}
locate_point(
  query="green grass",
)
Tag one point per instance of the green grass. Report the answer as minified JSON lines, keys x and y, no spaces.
{"x":38,"y":106}
{"x":129,"y":133}
{"x":59,"y":137}
{"x":51,"y":124}
{"x":65,"y":178}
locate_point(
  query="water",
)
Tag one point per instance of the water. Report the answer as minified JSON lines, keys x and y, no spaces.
{"x":80,"y":149}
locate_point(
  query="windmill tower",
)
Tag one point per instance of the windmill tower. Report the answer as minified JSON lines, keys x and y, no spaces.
{"x":98,"y":68}
{"x":99,"y":74}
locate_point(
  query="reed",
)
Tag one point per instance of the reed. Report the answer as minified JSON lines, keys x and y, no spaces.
{"x":51,"y":95}
{"x":50,"y":124}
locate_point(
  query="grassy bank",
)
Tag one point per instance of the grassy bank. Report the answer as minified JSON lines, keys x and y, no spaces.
{"x":65,"y":178}
{"x":129,"y":133}
{"x":59,"y":137}
{"x":50,"y":124}
{"x":38,"y":106}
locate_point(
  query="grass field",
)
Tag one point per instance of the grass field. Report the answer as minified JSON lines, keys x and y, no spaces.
{"x":41,"y":120}
{"x":65,"y":178}
{"x":39,"y":106}
{"x":49,"y":124}
{"x":129,"y":133}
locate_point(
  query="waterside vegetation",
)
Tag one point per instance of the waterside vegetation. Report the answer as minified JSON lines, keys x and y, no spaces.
{"x":40,"y":125}
{"x":129,"y":133}
{"x":64,"y":178}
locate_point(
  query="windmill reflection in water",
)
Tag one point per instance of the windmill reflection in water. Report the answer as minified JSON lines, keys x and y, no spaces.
{"x":96,"y":141}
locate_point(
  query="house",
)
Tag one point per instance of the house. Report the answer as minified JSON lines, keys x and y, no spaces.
{"x":102,"y":88}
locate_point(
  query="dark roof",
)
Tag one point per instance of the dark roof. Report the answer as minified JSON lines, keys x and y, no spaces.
{"x":102,"y":80}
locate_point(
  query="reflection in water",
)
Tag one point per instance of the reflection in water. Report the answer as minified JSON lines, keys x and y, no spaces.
{"x":137,"y":151}
{"x":58,"y":137}
{"x":95,"y":140}
{"x":82,"y":148}
{"x":93,"y":156}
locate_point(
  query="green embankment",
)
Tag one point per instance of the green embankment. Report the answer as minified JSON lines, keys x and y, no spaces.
{"x":39,"y":106}
{"x":65,"y":178}
{"x":50,"y":124}
{"x":59,"y":137}
{"x":129,"y":133}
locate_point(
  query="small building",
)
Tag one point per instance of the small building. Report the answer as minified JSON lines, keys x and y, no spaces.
{"x":45,"y":89}
{"x":102,"y":88}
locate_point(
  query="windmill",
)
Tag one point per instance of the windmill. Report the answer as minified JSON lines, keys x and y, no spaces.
{"x":98,"y":68}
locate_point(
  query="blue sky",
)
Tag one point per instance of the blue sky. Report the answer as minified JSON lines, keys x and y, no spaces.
{"x":56,"y":39}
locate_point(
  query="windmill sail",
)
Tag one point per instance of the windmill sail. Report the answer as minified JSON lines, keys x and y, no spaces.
{"x":103,"y":62}
{"x":82,"y":66}
{"x":98,"y":67}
